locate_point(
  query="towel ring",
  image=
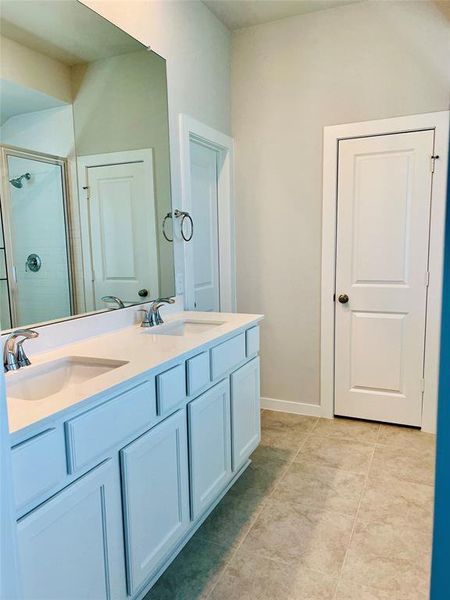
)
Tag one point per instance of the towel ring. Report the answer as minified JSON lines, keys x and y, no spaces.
{"x":189,"y":237}
{"x":168,"y":216}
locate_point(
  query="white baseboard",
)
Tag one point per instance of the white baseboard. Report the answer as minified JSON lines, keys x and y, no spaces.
{"x":298,"y":408}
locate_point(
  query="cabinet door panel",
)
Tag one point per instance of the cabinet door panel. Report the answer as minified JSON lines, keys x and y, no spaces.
{"x":71,"y":547}
{"x":210,"y":446}
{"x":245,"y":412}
{"x":156,"y":497}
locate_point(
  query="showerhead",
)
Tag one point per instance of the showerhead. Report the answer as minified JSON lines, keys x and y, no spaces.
{"x":17,"y":182}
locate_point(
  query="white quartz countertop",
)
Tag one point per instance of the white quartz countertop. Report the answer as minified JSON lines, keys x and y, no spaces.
{"x":143,"y":350}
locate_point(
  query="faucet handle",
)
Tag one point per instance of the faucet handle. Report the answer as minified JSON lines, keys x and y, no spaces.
{"x":154,"y":309}
{"x":161,"y":301}
{"x":152,"y":316}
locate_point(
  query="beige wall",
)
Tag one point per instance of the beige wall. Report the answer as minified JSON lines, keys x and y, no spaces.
{"x":34,"y":70}
{"x":120,"y":104}
{"x":197,"y":48}
{"x":290,"y":78}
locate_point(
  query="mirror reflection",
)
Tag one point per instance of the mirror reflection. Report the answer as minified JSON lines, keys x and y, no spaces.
{"x":85,"y":165}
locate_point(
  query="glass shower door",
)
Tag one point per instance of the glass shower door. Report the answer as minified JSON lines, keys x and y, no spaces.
{"x":39,"y":277}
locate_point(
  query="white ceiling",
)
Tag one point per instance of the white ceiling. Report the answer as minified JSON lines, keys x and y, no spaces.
{"x":65,"y":30}
{"x":236,"y":14}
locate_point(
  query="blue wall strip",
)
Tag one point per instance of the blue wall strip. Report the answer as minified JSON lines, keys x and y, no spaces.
{"x":440,"y":577}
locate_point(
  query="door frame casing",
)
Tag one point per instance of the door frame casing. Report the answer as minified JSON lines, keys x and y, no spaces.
{"x":439,"y":122}
{"x":193,"y":130}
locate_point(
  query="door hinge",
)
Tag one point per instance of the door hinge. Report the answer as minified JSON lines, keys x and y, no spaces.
{"x":434,"y":158}
{"x":422,"y":385}
{"x":427,"y":278}
{"x":86,"y":187}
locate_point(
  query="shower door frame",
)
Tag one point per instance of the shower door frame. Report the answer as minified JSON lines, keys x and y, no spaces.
{"x":5,"y":209}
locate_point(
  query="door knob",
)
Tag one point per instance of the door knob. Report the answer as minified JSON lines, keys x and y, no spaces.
{"x":143,"y":293}
{"x":343,"y":298}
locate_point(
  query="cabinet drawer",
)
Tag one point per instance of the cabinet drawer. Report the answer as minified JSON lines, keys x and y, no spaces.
{"x":227,"y":355}
{"x":91,"y":435}
{"x":252,"y":341}
{"x":38,"y":465}
{"x":171,"y":389}
{"x":198,"y":373}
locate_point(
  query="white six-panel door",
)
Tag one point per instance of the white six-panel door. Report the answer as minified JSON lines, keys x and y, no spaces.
{"x":384,"y":190}
{"x":205,"y":274}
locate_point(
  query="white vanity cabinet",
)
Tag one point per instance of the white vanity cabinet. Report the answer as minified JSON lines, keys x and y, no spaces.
{"x":155,"y":497}
{"x":209,"y":446}
{"x":245,"y":413}
{"x":71,"y":546}
{"x":108,"y":493}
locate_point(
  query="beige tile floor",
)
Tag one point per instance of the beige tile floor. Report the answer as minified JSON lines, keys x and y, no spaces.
{"x":336,"y":509}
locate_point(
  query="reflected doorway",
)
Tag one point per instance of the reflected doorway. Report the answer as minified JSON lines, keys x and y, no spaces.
{"x":207,"y":196}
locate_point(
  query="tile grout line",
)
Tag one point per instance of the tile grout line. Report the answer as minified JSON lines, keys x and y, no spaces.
{"x":263,"y":505}
{"x":355,"y":520}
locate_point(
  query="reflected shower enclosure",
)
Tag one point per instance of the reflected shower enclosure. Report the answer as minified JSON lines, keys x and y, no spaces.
{"x":36,"y":269}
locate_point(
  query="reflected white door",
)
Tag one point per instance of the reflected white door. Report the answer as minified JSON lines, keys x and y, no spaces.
{"x":384,"y":191}
{"x":204,"y":196}
{"x":121,"y":222}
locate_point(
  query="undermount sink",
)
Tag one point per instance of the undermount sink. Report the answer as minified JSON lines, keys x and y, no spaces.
{"x":186,"y":327}
{"x":40,"y":381}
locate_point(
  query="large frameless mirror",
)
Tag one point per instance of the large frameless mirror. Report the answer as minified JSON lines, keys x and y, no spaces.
{"x":85,"y":166}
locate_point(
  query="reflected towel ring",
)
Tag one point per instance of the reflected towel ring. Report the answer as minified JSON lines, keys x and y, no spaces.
{"x":168,"y":216}
{"x":179,"y":214}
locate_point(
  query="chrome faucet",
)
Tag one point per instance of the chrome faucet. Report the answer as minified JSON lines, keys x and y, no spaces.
{"x":152,"y":316}
{"x":115,"y":299}
{"x":14,"y":356}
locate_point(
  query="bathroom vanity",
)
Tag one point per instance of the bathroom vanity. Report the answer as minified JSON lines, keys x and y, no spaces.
{"x":122,"y":444}
{"x":123,"y":438}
